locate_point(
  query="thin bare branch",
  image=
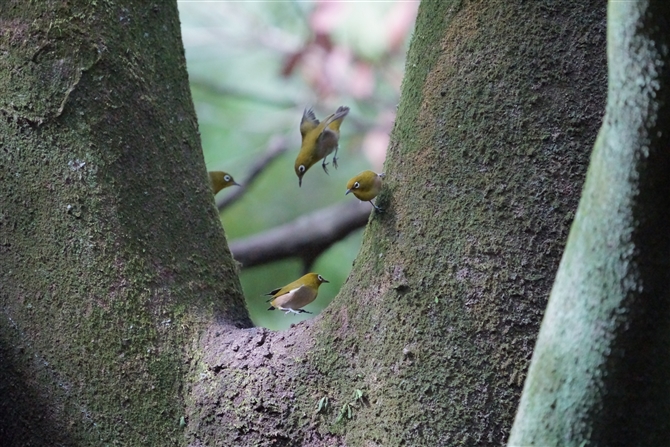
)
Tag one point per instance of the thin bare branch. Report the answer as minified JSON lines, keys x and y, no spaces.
{"x":276,"y":147}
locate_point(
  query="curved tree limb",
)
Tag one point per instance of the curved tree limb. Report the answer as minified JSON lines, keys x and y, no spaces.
{"x":306,"y":237}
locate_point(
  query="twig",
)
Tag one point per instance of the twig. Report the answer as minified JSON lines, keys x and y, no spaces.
{"x":228,"y":91}
{"x":306,"y":237}
{"x":276,"y":147}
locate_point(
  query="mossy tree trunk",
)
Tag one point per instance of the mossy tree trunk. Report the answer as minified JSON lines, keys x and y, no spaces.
{"x":111,"y":253}
{"x":499,"y":110}
{"x":121,"y":311}
{"x":600,"y":374}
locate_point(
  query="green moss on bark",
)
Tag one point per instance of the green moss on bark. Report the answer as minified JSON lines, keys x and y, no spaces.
{"x":599,"y":374}
{"x":109,"y":264}
{"x":500,"y":106}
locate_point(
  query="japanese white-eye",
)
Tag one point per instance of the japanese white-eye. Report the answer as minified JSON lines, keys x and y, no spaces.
{"x":365,"y":186}
{"x":293,"y":297}
{"x":319,"y":139}
{"x":220,"y":180}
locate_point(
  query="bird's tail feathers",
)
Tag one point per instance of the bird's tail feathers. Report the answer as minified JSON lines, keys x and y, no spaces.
{"x":333,"y":121}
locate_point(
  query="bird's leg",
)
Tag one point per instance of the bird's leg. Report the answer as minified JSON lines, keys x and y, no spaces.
{"x":335,"y":157}
{"x":323,"y":165}
{"x":379,"y":210}
{"x":296,"y":311}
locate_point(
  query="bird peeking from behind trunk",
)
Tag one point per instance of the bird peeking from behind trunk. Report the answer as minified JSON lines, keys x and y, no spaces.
{"x":220,"y":180}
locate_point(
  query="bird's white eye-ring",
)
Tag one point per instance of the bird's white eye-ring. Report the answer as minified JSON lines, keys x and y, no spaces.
{"x":227,"y":178}
{"x":320,"y":278}
{"x":301,"y":168}
{"x":357,"y":185}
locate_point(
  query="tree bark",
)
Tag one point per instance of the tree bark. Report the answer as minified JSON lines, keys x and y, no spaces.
{"x":428,"y":341}
{"x":122,"y":318}
{"x":112,"y":257}
{"x":600,"y":371}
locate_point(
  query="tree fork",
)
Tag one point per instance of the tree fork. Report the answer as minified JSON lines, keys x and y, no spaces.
{"x":428,"y":341}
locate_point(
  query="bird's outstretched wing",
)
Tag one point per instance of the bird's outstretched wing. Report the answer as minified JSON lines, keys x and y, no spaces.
{"x":308,"y":122}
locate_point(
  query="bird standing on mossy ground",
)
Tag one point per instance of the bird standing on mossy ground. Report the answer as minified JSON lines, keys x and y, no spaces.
{"x":293,"y":297}
{"x":220,"y":180}
{"x":365,"y":186}
{"x":319,"y":139}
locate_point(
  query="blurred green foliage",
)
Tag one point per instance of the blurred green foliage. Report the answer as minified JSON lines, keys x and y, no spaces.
{"x":254,"y":67}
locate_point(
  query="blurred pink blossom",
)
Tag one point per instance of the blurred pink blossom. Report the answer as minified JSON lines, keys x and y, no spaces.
{"x":333,"y":69}
{"x":377,"y":139}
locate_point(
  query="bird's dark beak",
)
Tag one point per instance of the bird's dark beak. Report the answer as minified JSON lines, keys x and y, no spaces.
{"x":299,"y":181}
{"x":325,"y":280}
{"x":236,"y":184}
{"x":348,"y":191}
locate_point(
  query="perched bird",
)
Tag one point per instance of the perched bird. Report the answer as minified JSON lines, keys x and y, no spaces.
{"x":298,"y":294}
{"x":319,"y":139}
{"x":366,"y":186}
{"x":220,"y":180}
